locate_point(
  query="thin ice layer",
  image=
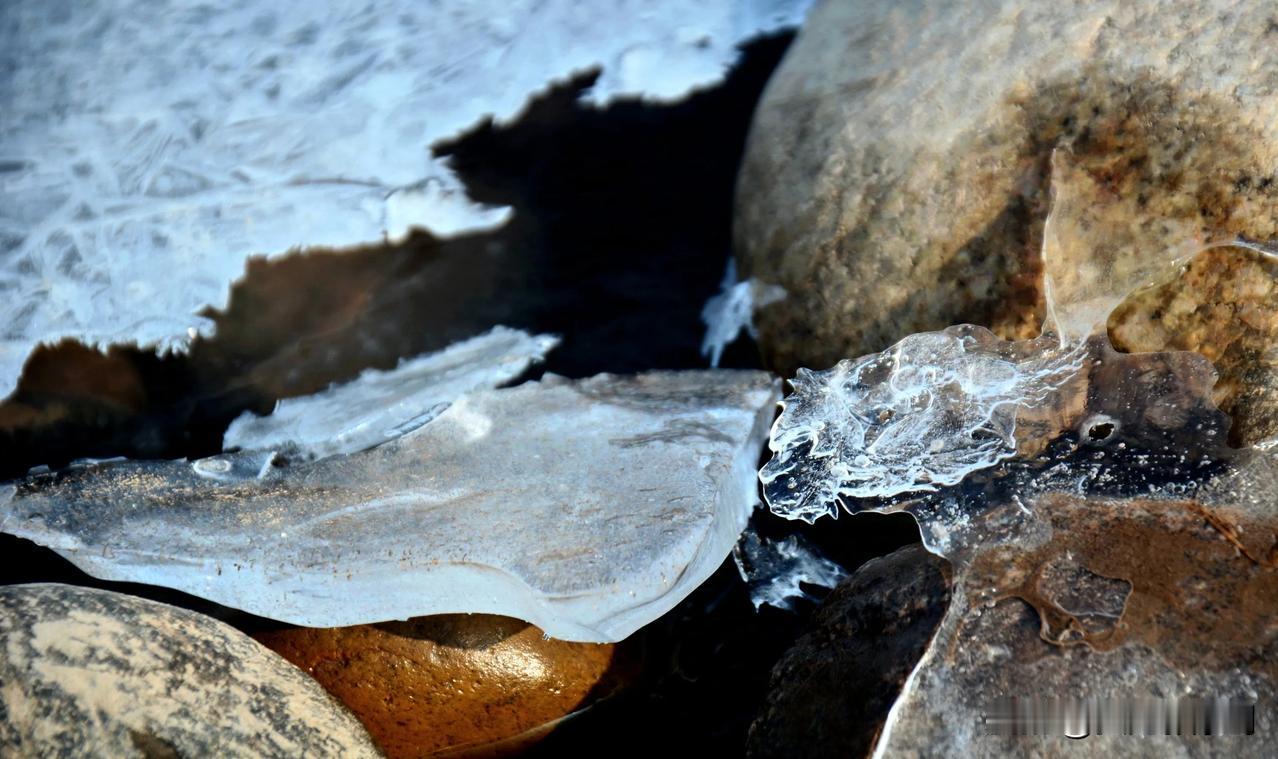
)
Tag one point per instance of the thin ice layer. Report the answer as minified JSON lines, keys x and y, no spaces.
{"x":380,"y":406}
{"x":588,"y":508}
{"x":1158,"y":595}
{"x":148,"y":148}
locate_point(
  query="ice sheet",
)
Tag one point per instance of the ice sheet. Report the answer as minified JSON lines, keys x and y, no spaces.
{"x":588,"y":508}
{"x":380,"y":406}
{"x":147,"y":148}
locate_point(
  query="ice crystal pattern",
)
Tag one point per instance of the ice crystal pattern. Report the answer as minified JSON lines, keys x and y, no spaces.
{"x":923,"y":414}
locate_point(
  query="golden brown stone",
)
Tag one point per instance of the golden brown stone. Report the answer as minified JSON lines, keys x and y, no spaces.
{"x":897,"y":175}
{"x":460,"y":684}
{"x":1225,"y":307}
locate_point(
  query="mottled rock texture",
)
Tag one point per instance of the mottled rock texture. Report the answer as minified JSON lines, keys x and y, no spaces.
{"x":92,"y":673}
{"x":1225,"y":307}
{"x":1129,"y":597}
{"x":832,"y":690}
{"x":896,"y":177}
{"x":456,"y":683}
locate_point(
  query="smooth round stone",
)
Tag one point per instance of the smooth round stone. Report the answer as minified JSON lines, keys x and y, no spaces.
{"x":87,"y":672}
{"x":459,"y":684}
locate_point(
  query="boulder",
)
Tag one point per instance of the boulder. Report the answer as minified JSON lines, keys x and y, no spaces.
{"x":94,"y":673}
{"x":896,"y":179}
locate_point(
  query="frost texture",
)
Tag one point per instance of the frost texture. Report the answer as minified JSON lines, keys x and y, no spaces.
{"x":588,"y":508}
{"x":148,"y":148}
{"x":939,"y":406}
{"x":775,"y":570}
{"x":381,"y":406}
{"x":732,"y":310}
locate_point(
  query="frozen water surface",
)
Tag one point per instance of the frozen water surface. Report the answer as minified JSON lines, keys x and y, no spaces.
{"x":380,"y":406}
{"x":148,"y":148}
{"x":588,"y":508}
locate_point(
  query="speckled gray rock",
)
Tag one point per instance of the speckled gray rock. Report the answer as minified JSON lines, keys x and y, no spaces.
{"x":88,"y":672}
{"x":896,"y":176}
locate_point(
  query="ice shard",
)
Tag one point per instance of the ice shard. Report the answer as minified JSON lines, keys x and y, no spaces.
{"x":587,"y":507}
{"x":731,"y":311}
{"x":777,"y":569}
{"x":383,"y":405}
{"x":148,"y":148}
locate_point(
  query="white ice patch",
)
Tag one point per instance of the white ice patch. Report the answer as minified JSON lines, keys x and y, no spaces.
{"x":775,"y":570}
{"x":588,"y":508}
{"x":732,"y":310}
{"x":148,"y":148}
{"x":380,"y":406}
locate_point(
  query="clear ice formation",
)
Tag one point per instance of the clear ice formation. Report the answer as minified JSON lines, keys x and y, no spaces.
{"x":938,"y":407}
{"x":588,"y":508}
{"x":379,"y":406}
{"x":923,"y":414}
{"x":730,"y":311}
{"x":776,"y":570}
{"x":148,"y":148}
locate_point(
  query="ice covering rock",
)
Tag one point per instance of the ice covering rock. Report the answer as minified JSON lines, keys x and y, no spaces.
{"x":927,"y":412}
{"x":1152,"y":596}
{"x":776,"y":570}
{"x":732,"y":310}
{"x":939,"y":406}
{"x":380,"y":406}
{"x":588,"y":508}
{"x":1135,"y":556}
{"x":148,"y":148}
{"x":94,"y":673}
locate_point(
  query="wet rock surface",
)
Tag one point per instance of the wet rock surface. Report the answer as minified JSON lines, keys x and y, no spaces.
{"x":460,"y":684}
{"x":1171,"y":608}
{"x":831,"y":692}
{"x":896,"y":177}
{"x":89,"y":672}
